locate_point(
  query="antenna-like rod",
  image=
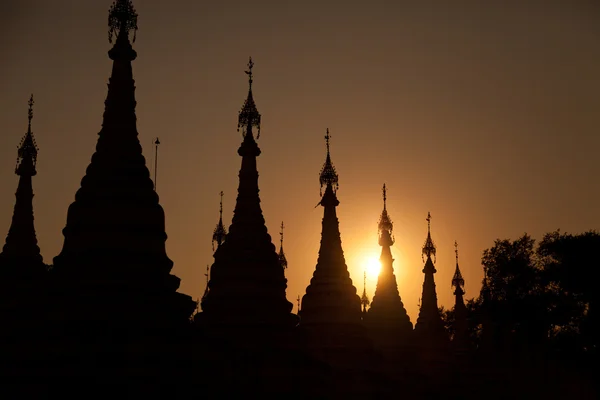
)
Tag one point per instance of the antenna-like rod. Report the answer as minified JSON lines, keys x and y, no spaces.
{"x":156,"y":143}
{"x":298,"y":300}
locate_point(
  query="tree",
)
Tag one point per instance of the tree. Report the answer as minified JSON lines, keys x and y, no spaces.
{"x":571,"y":270}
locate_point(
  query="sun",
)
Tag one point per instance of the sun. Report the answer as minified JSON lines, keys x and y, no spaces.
{"x":373,"y":266}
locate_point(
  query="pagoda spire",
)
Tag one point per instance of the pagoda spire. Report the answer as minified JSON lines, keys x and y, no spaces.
{"x":21,"y":254}
{"x":460,"y":310}
{"x":115,"y":231}
{"x":207,"y":275}
{"x":220,"y":232}
{"x":330,"y":297}
{"x":429,"y":324}
{"x":247,"y":284}
{"x":364,"y":299}
{"x":282,"y":259}
{"x":388,"y":321}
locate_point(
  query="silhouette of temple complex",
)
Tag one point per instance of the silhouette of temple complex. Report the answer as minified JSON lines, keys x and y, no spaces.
{"x":107,"y":313}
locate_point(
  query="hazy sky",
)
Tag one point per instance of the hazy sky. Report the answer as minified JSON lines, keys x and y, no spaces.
{"x":486,"y":115}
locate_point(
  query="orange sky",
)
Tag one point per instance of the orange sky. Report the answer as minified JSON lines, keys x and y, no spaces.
{"x":487,"y":116}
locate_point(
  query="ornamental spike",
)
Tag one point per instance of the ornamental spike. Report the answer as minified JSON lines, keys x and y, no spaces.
{"x":328,"y":175}
{"x":428,"y":248}
{"x":249,"y":116}
{"x":385,"y":226}
{"x":27,"y":150}
{"x":122,"y":18}
{"x":220,"y":232}
{"x":458,"y":281}
{"x":364,"y":300}
{"x":281,"y":255}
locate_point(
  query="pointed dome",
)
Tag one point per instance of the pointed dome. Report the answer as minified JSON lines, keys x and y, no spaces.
{"x":460,"y":339}
{"x":388,"y":322}
{"x":429,"y":327}
{"x":247,"y":284}
{"x":114,"y":238}
{"x":330,"y":297}
{"x":21,"y":253}
{"x":331,"y":314}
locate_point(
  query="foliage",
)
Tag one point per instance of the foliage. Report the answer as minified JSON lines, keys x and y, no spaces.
{"x":538,"y":298}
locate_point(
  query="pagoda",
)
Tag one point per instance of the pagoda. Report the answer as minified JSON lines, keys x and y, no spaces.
{"x":20,"y":256}
{"x":22,"y":270}
{"x":364,"y":299}
{"x":389,"y":324}
{"x":113,"y":265}
{"x":429,"y":324}
{"x":247,"y":283}
{"x":460,"y":339}
{"x":331,"y":308}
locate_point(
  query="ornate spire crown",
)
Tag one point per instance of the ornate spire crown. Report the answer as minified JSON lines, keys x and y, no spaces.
{"x":364,"y":300}
{"x":27,"y":150}
{"x":122,"y":18}
{"x":328,"y":175}
{"x":457,"y":281}
{"x":281,"y":255}
{"x":220,"y":232}
{"x":385,"y":223}
{"x":249,"y":116}
{"x":428,"y":247}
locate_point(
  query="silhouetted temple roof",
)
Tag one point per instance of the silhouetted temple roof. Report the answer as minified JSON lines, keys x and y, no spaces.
{"x":247,"y":283}
{"x":387,"y":319}
{"x":21,"y":253}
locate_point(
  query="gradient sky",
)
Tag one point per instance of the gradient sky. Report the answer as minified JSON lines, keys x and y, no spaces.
{"x":487,"y":115}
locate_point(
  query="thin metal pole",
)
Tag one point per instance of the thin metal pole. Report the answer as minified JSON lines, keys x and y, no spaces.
{"x":156,"y":143}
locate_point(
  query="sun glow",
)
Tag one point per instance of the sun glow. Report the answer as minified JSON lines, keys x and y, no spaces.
{"x":372,"y":266}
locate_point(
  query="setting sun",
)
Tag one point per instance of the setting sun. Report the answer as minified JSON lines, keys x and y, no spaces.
{"x":372,"y":267}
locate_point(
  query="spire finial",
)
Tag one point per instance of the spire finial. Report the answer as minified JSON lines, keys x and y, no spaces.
{"x":281,"y":255}
{"x":27,"y":151}
{"x":30,"y":112}
{"x":221,"y":205}
{"x":428,"y":219}
{"x":328,"y":174}
{"x":249,"y":72}
{"x":364,"y":300}
{"x":428,"y":248}
{"x":220,"y":232}
{"x":456,"y":251}
{"x":298,"y":300}
{"x":385,"y":226}
{"x":249,"y":116}
{"x":122,"y":18}
{"x":457,"y":280}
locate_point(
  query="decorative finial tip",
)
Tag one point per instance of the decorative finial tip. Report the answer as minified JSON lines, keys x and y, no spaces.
{"x":456,"y":250}
{"x":249,"y":116}
{"x":30,"y":112}
{"x":328,"y":174}
{"x":122,"y":18}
